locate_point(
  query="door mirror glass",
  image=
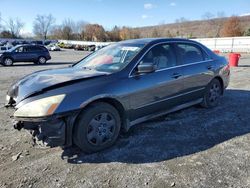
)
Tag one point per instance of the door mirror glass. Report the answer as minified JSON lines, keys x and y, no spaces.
{"x":146,"y":68}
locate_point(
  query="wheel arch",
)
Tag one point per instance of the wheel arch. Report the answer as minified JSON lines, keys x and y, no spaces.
{"x":116,"y":104}
{"x":9,"y":58}
{"x":39,"y":56}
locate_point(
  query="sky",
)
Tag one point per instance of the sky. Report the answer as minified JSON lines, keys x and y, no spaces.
{"x":132,"y":13}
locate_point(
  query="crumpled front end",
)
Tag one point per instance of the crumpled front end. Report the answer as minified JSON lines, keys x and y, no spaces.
{"x":50,"y":133}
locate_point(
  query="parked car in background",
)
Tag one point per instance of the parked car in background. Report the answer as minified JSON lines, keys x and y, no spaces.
{"x":37,"y":42}
{"x":4,"y":48}
{"x":79,"y":47}
{"x":25,"y":53}
{"x":115,"y":88}
{"x":99,"y":47}
{"x":53,"y":47}
{"x":85,"y":47}
{"x":91,"y":48}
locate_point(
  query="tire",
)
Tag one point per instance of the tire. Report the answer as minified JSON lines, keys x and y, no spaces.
{"x":212,"y":94}
{"x":41,"y":60}
{"x":97,"y":127}
{"x":8,"y":61}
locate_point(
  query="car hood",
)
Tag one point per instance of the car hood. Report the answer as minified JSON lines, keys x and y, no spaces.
{"x":49,"y":79}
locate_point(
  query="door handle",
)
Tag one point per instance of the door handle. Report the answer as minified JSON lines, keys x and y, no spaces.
{"x":209,"y":67}
{"x":176,"y":75}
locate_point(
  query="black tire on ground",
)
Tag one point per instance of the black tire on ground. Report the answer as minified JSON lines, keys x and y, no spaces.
{"x":97,"y":127}
{"x":41,"y":60}
{"x":212,"y":94}
{"x":8,"y":61}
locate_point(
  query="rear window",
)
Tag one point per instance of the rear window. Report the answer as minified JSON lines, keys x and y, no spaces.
{"x":189,"y":53}
{"x":35,"y":48}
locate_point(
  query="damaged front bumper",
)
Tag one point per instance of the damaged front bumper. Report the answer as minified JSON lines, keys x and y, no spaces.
{"x":51,"y":132}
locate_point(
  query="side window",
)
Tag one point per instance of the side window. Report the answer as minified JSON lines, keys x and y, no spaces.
{"x":39,"y":49}
{"x":189,"y":53}
{"x":30,"y":49}
{"x":36,"y":49}
{"x":20,"y":49}
{"x":162,"y":56}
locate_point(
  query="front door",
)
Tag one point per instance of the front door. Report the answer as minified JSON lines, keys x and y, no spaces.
{"x":157,"y":91}
{"x":20,"y":54}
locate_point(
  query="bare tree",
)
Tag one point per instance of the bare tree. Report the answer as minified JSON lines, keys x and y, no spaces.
{"x":68,"y":28}
{"x":232,"y":27}
{"x":215,"y":22}
{"x":114,"y":34}
{"x":155,"y":33}
{"x":219,"y":22}
{"x":67,"y":33}
{"x":181,"y":20}
{"x":207,"y":16}
{"x":79,"y":29}
{"x":56,"y":32}
{"x":42,"y":25}
{"x":95,"y":32}
{"x":79,"y":26}
{"x":14,"y":26}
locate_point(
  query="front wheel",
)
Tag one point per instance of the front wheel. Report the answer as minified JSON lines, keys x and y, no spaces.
{"x":213,"y":94}
{"x":7,"y":62}
{"x":97,"y":127}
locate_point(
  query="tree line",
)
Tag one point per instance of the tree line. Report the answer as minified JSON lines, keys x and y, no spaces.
{"x":44,"y":27}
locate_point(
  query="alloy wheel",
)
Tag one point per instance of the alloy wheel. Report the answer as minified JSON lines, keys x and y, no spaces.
{"x":214,"y":93}
{"x":42,"y":60}
{"x":8,"y":61}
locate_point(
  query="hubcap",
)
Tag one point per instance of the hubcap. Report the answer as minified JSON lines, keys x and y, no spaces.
{"x":8,"y":61}
{"x":101,"y":129}
{"x":42,"y":60}
{"x":214,"y":93}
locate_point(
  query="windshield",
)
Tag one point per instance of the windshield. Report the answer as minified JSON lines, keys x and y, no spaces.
{"x":14,"y":48}
{"x":112,"y":58}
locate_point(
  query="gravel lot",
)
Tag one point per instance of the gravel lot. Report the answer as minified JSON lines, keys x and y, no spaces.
{"x":194,"y":147}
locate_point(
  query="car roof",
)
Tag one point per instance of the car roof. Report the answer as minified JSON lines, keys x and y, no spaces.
{"x":153,"y":40}
{"x":23,"y":45}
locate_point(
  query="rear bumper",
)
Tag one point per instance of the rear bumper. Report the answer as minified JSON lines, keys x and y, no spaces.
{"x":48,"y":57}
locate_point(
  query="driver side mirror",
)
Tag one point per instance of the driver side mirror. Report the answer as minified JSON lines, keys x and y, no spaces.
{"x":146,"y":68}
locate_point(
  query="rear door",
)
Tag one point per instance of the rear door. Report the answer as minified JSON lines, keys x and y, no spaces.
{"x":197,"y":70}
{"x":158,"y":91}
{"x":32,"y":53}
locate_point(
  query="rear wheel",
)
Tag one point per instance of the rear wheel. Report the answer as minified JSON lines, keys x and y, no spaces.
{"x":97,"y":127}
{"x":7,"y":62}
{"x":213,"y":94}
{"x":42,"y":60}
